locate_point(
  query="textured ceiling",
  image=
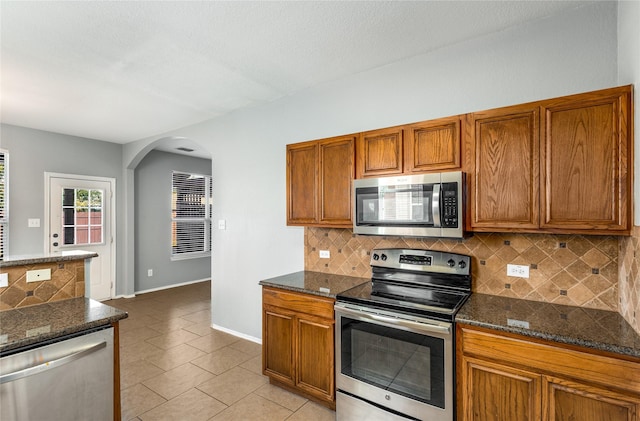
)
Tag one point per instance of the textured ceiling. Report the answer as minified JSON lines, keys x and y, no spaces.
{"x":120,"y":71}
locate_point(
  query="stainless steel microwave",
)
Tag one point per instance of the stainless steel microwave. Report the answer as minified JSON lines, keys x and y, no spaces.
{"x":423,"y":205}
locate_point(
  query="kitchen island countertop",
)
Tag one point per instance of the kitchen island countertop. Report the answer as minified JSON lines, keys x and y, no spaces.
{"x":33,"y":325}
{"x":316,"y":283}
{"x":590,"y":328}
{"x":10,"y":261}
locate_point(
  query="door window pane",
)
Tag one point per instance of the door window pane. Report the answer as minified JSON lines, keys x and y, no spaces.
{"x":82,"y":216}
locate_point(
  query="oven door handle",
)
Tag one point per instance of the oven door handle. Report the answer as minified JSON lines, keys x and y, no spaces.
{"x":408,"y":324}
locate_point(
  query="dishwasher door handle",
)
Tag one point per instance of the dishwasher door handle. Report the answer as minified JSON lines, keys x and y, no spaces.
{"x":75,"y":355}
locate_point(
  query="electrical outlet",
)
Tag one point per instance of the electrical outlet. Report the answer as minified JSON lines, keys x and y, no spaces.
{"x":150,"y":272}
{"x":33,"y":222}
{"x":519,"y":271}
{"x":38,"y":275}
{"x":324,"y":254}
{"x":518,"y":323}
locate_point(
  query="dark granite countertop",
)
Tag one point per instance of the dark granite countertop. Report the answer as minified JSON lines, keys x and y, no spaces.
{"x":9,"y":261}
{"x":26,"y":326}
{"x":596,"y":329}
{"x":316,"y":283}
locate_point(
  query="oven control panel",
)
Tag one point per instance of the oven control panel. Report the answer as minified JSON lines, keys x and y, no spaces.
{"x":422,"y":260}
{"x":415,"y":260}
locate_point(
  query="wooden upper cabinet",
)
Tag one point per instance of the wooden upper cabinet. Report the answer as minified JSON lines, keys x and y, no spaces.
{"x":380,"y":153}
{"x":586,"y":161}
{"x":558,"y":166}
{"x":319,"y":175}
{"x":336,"y":174}
{"x":302,"y":176}
{"x":433,"y":146}
{"x":503,"y":172}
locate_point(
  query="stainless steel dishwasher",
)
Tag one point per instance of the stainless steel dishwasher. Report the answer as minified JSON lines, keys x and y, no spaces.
{"x":69,"y":379}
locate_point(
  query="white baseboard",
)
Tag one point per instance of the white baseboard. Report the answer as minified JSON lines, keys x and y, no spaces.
{"x":146,"y":291}
{"x":237,"y":334}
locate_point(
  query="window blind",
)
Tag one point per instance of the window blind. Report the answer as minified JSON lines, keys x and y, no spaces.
{"x":4,"y":206}
{"x":191,"y":215}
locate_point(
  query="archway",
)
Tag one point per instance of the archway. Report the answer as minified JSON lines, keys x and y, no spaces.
{"x":172,"y":145}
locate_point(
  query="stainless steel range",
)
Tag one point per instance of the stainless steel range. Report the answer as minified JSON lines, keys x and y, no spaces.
{"x":395,"y":337}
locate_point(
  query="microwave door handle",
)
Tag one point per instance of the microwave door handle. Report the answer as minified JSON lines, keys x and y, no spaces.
{"x":435,"y":205}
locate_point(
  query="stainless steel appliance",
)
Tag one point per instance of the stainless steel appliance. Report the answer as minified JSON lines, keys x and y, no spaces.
{"x":70,"y":379}
{"x":423,"y":205}
{"x":395,"y":337}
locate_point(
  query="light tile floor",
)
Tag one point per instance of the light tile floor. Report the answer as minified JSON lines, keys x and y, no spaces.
{"x":174,"y":366}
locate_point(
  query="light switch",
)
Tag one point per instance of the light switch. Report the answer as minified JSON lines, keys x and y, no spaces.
{"x":222,"y":224}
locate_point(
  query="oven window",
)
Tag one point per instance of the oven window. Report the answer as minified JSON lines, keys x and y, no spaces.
{"x":402,"y":362}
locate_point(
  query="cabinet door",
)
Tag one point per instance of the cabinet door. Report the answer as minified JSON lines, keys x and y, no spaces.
{"x":277,"y":347}
{"x":380,"y":153}
{"x":336,"y":174}
{"x":433,"y":146}
{"x":302,"y":176}
{"x":315,"y":371}
{"x":495,"y":392}
{"x":504,"y":180}
{"x":564,"y":400}
{"x":586,"y":158}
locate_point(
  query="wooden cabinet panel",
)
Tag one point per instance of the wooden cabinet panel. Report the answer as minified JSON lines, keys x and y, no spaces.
{"x":514,"y":394}
{"x":507,"y":376}
{"x":299,"y":302}
{"x":505,"y":182}
{"x":586,"y":159}
{"x":559,"y":166}
{"x":380,"y":153}
{"x":433,"y":146}
{"x":319,"y":175}
{"x":298,"y":343}
{"x":336,"y":173}
{"x":315,"y":364}
{"x":277,"y":350}
{"x":567,"y":400}
{"x":302,"y":163}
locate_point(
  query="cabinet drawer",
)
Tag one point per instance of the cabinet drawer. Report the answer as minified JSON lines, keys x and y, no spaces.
{"x":545,"y":358}
{"x":298,"y":302}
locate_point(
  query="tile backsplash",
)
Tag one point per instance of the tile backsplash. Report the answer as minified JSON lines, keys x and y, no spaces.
{"x":629,"y":274}
{"x":565,"y":269}
{"x":67,"y":281}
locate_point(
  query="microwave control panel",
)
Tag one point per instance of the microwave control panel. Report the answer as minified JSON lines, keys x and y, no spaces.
{"x":449,"y":197}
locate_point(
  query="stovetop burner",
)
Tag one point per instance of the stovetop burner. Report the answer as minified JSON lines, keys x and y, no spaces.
{"x":422,"y":282}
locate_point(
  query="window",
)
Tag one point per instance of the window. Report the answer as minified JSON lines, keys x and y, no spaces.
{"x":4,"y":202}
{"x":82,"y":217}
{"x":190,"y":215}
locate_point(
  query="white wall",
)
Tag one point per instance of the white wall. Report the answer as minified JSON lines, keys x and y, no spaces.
{"x":629,"y":73}
{"x":570,"y":53}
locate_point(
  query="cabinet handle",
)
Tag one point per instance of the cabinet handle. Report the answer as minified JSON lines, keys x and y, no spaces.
{"x":29,"y":371}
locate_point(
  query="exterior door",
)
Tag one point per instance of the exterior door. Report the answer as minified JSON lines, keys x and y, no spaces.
{"x":80,"y":219}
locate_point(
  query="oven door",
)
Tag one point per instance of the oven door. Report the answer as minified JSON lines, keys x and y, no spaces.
{"x":393,"y":362}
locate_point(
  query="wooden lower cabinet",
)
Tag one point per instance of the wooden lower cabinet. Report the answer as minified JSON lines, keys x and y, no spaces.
{"x":506,"y":393}
{"x":298,"y":343}
{"x":569,"y":400}
{"x":509,"y":377}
